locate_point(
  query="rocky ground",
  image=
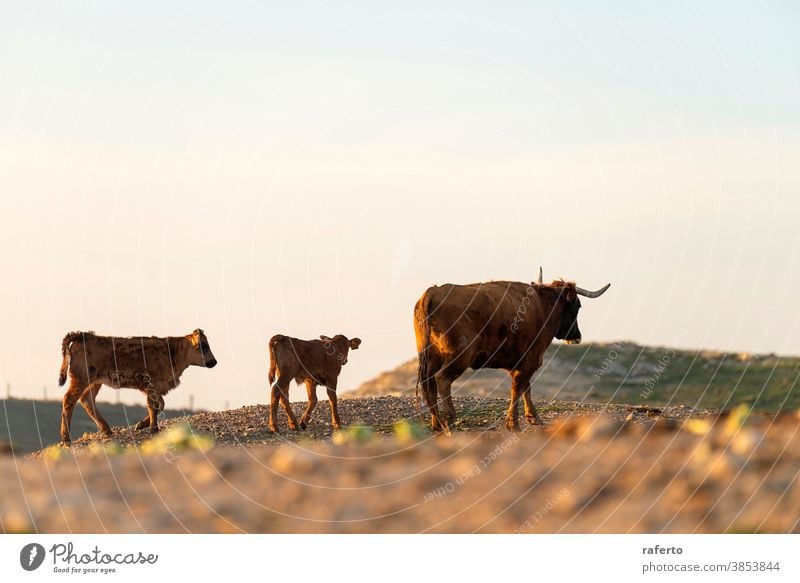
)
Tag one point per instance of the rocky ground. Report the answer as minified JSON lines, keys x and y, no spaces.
{"x":248,"y":425}
{"x":589,"y":469}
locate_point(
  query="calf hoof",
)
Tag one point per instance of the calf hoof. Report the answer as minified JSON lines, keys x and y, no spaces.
{"x":303,"y":425}
{"x":154,"y":430}
{"x":512,"y":426}
{"x":534,"y":420}
{"x":66,"y":442}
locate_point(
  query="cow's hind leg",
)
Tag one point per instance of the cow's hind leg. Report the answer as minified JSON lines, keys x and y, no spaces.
{"x":444,"y":381}
{"x":429,"y":365}
{"x":74,"y":392}
{"x":334,"y":406}
{"x":89,"y":403}
{"x":311,"y":387}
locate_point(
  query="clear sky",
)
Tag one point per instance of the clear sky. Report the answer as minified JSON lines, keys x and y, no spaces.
{"x":306,"y":168}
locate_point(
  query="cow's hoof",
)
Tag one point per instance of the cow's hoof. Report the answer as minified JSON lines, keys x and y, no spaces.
{"x":303,"y":425}
{"x":66,"y":442}
{"x":511,"y":426}
{"x":535,"y":420}
{"x":154,"y":430}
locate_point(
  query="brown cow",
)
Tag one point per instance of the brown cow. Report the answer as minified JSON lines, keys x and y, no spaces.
{"x":150,"y":364}
{"x":501,"y":324}
{"x":313,"y":362}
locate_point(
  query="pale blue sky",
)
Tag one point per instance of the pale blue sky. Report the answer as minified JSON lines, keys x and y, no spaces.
{"x":312,"y":168}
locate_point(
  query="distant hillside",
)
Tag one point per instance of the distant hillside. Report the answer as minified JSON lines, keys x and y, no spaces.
{"x":30,"y":425}
{"x":625,"y":372}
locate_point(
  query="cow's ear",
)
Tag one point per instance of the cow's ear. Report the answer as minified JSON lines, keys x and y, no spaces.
{"x":323,"y":337}
{"x":355,"y":343}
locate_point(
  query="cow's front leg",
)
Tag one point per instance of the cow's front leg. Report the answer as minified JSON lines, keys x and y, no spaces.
{"x":522,"y":381}
{"x":337,"y":424}
{"x":311,"y":388}
{"x":512,"y":416}
{"x":531,"y":414}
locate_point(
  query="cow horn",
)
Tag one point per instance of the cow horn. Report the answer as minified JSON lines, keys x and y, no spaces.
{"x":592,"y":294}
{"x":541,"y":280}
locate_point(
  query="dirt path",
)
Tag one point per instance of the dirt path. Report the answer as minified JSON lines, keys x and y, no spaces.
{"x":580,"y":473}
{"x":248,"y":425}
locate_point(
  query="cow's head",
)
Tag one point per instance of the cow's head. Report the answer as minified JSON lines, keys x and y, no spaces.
{"x":201,"y":354}
{"x":567,"y":329}
{"x":340,"y":345}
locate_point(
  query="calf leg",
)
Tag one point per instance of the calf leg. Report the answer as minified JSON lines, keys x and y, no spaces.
{"x":311,"y":387}
{"x":155,"y":404}
{"x":145,"y":422}
{"x":89,"y":404}
{"x":287,"y":406}
{"x":280,"y":393}
{"x":334,"y":407}
{"x":74,"y":392}
{"x":275,"y":397}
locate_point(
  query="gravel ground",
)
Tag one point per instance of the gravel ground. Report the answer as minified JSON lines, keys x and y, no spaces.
{"x":248,"y":425}
{"x":623,"y":470}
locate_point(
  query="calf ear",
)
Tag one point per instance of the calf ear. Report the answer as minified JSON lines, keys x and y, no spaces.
{"x":323,"y":337}
{"x":355,"y":343}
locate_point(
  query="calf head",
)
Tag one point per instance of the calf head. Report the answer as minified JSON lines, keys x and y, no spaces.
{"x":339,"y":346}
{"x":201,"y":354}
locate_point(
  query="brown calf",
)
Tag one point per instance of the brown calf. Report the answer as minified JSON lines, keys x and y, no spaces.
{"x":313,"y":362}
{"x":150,"y":364}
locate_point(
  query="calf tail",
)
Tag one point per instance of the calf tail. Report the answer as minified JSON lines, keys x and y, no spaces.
{"x":273,"y":362}
{"x":68,"y":339}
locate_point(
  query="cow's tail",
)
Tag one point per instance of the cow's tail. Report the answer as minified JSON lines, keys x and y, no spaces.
{"x":68,"y":339}
{"x":273,"y":362}
{"x":426,"y":369}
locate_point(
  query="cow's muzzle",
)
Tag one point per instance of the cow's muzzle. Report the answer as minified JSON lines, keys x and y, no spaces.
{"x":211,"y":363}
{"x":573,"y":340}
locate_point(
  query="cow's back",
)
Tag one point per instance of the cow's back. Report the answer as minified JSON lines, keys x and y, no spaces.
{"x":492,"y":324}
